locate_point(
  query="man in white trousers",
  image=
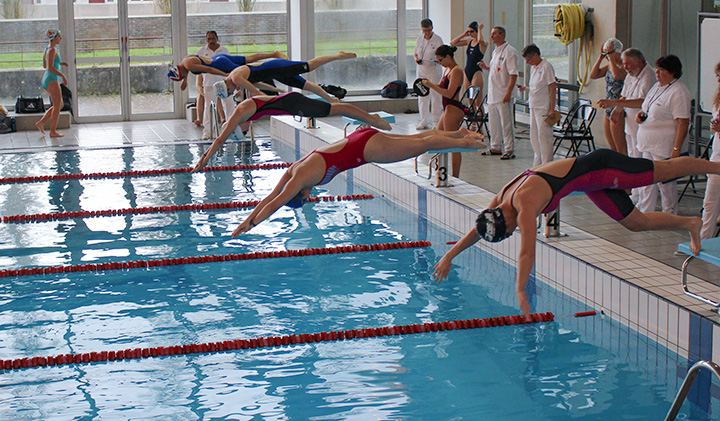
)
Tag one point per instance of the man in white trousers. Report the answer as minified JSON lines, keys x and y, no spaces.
{"x":502,"y":78}
{"x":430,"y":106}
{"x":208,"y":92}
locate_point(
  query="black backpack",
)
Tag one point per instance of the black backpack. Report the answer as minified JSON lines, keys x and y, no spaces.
{"x":7,"y":124}
{"x":394,"y":89}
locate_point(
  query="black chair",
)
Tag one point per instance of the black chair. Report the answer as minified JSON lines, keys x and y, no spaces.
{"x":576,"y":129}
{"x":475,"y":111}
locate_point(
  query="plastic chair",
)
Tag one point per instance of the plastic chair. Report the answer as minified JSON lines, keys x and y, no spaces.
{"x":576,"y":129}
{"x":475,"y":113}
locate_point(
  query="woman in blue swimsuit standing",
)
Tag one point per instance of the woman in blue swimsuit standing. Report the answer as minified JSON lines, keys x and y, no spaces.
{"x":51,"y":82}
{"x":476,"y":48}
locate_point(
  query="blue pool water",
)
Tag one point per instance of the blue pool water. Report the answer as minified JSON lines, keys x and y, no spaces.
{"x":548,"y":371}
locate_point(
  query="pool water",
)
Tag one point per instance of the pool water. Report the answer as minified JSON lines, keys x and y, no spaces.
{"x":546,"y":371}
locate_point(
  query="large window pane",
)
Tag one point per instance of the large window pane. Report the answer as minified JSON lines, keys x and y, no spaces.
{"x":243,"y":27}
{"x":412,"y":19}
{"x":544,"y":36}
{"x":366,"y":27}
{"x":22,"y":42}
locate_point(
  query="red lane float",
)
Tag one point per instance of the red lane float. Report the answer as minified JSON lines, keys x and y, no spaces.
{"x":145,"y":173}
{"x":210,"y":259}
{"x":268,"y":341}
{"x":585,"y":313}
{"x":39,"y":217}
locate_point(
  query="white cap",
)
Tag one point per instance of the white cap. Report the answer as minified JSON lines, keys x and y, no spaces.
{"x":615,"y":43}
{"x":221,"y":89}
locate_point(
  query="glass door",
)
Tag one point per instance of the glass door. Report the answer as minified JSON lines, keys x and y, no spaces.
{"x":122,"y":53}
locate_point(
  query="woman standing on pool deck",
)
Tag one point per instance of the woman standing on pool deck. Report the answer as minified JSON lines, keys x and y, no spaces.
{"x":603,"y":175}
{"x":291,"y":103}
{"x":284,"y":71}
{"x":219,"y":64}
{"x":361,"y":147}
{"x":476,"y":48}
{"x":51,"y":82}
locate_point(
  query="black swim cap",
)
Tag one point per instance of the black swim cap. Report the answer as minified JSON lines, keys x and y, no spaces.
{"x":490,"y":225}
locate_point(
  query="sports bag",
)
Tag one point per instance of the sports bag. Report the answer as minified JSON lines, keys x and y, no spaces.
{"x":33,"y":104}
{"x":394,"y":89}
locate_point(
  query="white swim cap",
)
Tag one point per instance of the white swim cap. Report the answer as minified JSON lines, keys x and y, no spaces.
{"x":221,"y":89}
{"x":52,"y":33}
{"x":615,"y":43}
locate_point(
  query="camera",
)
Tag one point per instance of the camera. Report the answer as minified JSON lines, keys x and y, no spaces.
{"x":418,"y":61}
{"x":642,"y":115}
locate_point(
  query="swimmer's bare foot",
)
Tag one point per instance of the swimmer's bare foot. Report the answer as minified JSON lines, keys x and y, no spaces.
{"x":472,"y":143}
{"x":378,"y":122}
{"x":198,"y":123}
{"x":40,"y":127}
{"x":56,"y":134}
{"x":343,"y":55}
{"x":694,"y":226}
{"x":278,"y":54}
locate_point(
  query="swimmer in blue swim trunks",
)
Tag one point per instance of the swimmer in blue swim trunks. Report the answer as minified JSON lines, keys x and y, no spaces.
{"x":284,"y":71}
{"x":361,"y":147}
{"x":219,"y":64}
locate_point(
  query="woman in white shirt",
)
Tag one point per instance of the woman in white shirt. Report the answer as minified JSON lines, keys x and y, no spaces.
{"x":541,"y":99}
{"x":663,"y":129}
{"x":711,"y":204}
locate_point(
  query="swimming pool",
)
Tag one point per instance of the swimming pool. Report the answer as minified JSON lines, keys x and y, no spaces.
{"x":544,"y":371}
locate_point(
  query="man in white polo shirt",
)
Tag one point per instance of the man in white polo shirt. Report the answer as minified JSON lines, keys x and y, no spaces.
{"x":207,"y":94}
{"x":430,"y":106}
{"x":502,"y":77}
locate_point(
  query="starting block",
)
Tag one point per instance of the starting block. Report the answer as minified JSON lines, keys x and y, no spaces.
{"x":710,"y":252}
{"x":352,"y":121}
{"x":441,"y":163}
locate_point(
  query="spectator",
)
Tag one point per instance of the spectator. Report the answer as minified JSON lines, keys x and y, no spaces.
{"x":614,"y":75}
{"x":475,"y":52}
{"x":205,"y":91}
{"x":425,"y":47}
{"x":541,"y":100}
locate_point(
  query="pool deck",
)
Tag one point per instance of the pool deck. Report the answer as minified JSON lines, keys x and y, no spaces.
{"x":645,"y":259}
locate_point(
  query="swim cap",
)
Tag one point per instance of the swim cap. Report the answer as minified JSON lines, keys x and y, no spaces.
{"x":52,"y":33}
{"x":490,"y":225}
{"x":615,"y":43}
{"x":221,"y":89}
{"x":174,"y":74}
{"x":296,"y":202}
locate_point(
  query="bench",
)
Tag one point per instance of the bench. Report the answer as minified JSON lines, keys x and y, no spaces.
{"x":710,"y":252}
{"x":442,"y":165}
{"x":27,"y":121}
{"x":352,"y":121}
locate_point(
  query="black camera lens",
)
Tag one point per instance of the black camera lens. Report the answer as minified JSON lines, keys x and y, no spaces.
{"x":642,"y":116}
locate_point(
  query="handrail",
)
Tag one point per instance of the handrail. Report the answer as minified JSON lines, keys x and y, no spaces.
{"x":214,"y":121}
{"x":685,"y":388}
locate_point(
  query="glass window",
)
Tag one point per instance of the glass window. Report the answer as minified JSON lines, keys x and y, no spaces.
{"x":413,"y":16}
{"x":544,"y":36}
{"x":366,"y":27}
{"x":22,"y":43}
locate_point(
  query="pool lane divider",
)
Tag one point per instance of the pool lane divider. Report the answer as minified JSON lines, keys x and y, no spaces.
{"x":143,"y":264}
{"x":140,"y":173}
{"x":268,"y":342}
{"x":42,"y":217}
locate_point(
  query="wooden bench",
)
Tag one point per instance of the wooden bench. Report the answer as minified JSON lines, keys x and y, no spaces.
{"x":27,"y":121}
{"x":710,"y":252}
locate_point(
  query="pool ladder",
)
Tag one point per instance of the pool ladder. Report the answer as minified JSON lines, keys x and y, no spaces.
{"x":216,"y":127}
{"x":689,"y":379}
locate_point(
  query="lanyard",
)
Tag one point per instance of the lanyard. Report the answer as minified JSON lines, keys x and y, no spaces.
{"x":657,"y":96}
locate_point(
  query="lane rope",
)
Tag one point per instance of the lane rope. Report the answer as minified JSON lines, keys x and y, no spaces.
{"x":137,"y":264}
{"x":267,"y":342}
{"x":41,"y":217}
{"x":140,"y":173}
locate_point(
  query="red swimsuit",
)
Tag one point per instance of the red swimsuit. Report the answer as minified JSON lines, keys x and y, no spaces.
{"x":350,"y":156}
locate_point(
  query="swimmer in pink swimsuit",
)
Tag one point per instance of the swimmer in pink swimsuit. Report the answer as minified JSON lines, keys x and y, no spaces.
{"x":603,"y":175}
{"x":292,"y":103}
{"x":361,"y":147}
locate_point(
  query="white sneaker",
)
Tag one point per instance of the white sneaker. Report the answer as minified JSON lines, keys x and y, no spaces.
{"x":421,"y":126}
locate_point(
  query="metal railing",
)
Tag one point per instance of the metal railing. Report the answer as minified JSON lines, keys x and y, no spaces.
{"x":685,"y":388}
{"x":215,"y":126}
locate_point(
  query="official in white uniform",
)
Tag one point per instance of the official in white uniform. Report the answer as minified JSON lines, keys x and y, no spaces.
{"x":663,"y":131}
{"x":502,"y":77}
{"x":541,"y":99}
{"x":430,"y":106}
{"x":210,"y":49}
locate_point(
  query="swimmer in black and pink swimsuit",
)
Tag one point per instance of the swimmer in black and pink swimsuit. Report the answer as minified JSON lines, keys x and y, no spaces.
{"x":291,"y":103}
{"x":603,"y":175}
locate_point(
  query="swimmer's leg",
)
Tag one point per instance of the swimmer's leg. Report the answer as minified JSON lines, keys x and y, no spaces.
{"x":264,"y":56}
{"x":384,"y":147}
{"x":653,"y":221}
{"x":359,"y":114}
{"x":319,"y":61}
{"x":682,"y":166}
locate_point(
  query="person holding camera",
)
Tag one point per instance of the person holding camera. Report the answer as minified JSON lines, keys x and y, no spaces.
{"x":663,"y":129}
{"x":430,"y":106}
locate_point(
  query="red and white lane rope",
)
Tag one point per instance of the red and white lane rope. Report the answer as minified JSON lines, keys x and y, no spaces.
{"x":41,"y":217}
{"x":268,"y":341}
{"x":136,"y":264}
{"x":140,"y":173}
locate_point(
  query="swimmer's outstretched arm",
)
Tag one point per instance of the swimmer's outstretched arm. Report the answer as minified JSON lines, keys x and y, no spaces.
{"x":268,"y":87}
{"x":286,"y":189}
{"x":527,"y":224}
{"x":242,"y":82}
{"x":241,"y":114}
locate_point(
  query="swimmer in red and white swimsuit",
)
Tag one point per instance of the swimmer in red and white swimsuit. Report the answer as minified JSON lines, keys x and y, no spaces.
{"x":363,"y":146}
{"x":292,"y":103}
{"x":603,"y":175}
